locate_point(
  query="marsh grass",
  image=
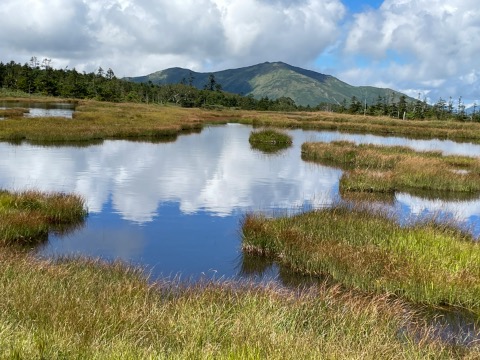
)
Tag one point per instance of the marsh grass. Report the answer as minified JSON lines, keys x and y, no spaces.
{"x":373,"y":168}
{"x":102,"y":120}
{"x":427,"y":263}
{"x":98,"y":121}
{"x":269,"y":140}
{"x":78,"y":308}
{"x":13,"y":113}
{"x":464,"y":131}
{"x":270,"y":136}
{"x":17,"y":95}
{"x":27,"y":217}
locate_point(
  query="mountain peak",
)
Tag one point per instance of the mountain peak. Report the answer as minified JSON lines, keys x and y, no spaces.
{"x":274,"y":80}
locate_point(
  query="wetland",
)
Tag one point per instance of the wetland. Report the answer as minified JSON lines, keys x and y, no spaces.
{"x":169,"y":194}
{"x":175,"y":207}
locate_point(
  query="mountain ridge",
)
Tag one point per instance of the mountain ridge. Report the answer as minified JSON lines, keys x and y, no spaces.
{"x":275,"y":80}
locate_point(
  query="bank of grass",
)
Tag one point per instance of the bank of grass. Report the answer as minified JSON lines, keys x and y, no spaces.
{"x":27,"y":217}
{"x":425,"y":263}
{"x":386,"y":169}
{"x":15,"y":112}
{"x":77,"y":308}
{"x":269,"y":140}
{"x":95,"y":120}
{"x":424,"y":129}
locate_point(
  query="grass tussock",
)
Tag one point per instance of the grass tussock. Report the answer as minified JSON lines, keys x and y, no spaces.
{"x":270,"y":136}
{"x":76,"y":308}
{"x":269,"y":140}
{"x":373,"y":168}
{"x":26,"y":217}
{"x":425,"y":263}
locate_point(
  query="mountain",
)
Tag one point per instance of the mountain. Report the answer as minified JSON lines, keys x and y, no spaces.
{"x":274,"y":80}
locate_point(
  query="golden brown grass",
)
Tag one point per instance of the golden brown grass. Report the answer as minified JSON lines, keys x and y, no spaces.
{"x":100,"y":120}
{"x":465,"y":131}
{"x":373,"y":168}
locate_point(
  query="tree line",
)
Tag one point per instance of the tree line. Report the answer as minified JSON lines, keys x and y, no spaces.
{"x":39,"y":77}
{"x":401,"y":108}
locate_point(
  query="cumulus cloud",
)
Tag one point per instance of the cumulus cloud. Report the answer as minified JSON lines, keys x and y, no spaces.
{"x":135,"y":37}
{"x":55,"y":27}
{"x":292,"y":31}
{"x":426,"y":46}
{"x":434,"y":45}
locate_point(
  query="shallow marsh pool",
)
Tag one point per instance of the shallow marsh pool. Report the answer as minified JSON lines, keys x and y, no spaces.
{"x":175,"y":208}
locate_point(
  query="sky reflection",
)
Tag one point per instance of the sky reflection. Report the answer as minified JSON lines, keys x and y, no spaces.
{"x":176,"y":207}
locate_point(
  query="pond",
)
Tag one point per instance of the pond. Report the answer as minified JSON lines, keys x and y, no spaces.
{"x":38,"y":109}
{"x":175,"y":208}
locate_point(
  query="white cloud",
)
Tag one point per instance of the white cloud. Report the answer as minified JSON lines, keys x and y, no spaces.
{"x":136,"y":37}
{"x":430,"y":45}
{"x":44,"y":28}
{"x":270,"y":30}
{"x":460,"y":211}
{"x":434,"y":45}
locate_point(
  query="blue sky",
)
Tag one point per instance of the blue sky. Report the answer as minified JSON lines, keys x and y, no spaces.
{"x":360,"y":6}
{"x":426,"y":47}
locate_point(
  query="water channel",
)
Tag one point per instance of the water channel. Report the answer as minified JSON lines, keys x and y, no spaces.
{"x":175,"y":208}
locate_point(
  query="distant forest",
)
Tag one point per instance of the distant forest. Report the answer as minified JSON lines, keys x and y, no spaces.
{"x":37,"y":77}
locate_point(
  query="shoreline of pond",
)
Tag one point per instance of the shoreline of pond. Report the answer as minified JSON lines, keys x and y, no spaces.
{"x":102,"y":120}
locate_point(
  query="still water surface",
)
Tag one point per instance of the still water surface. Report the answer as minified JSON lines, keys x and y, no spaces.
{"x":64,"y":110}
{"x":175,"y":208}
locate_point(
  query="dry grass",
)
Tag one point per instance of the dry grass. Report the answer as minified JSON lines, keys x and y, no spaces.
{"x":372,"y":168}
{"x":465,"y":131}
{"x":100,"y":120}
{"x":97,"y":121}
{"x":13,"y":113}
{"x":269,"y":140}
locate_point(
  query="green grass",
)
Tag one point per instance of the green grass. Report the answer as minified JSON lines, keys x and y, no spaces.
{"x":425,"y":263}
{"x":373,"y":168}
{"x":269,"y":140}
{"x":78,"y":308}
{"x":27,"y":217}
{"x":7,"y":93}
